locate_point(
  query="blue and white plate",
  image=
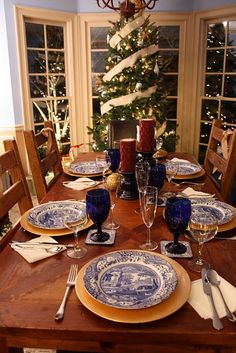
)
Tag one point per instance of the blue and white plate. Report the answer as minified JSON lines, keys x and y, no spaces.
{"x":221,"y":210}
{"x":185,"y":168}
{"x":85,"y":168}
{"x":52,"y":215}
{"x":130,"y":279}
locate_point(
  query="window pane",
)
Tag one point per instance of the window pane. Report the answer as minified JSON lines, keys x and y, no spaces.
{"x":230,"y":86}
{"x":56,"y":62}
{"x":231,"y":33}
{"x":55,"y":37}
{"x":171,"y":57}
{"x":213,"y":85}
{"x":216,"y":35}
{"x":168,"y":37}
{"x":98,"y":61}
{"x":202,"y":152}
{"x":230,"y":60}
{"x":209,"y":109}
{"x":34,"y":35}
{"x":99,"y":37}
{"x":36,"y":61}
{"x":171,"y":110}
{"x":96,"y":106}
{"x":38,"y":86}
{"x":215,"y":60}
{"x":40,"y":111}
{"x":170,"y":84}
{"x":228,"y":112}
{"x":57,"y":86}
{"x":205,"y":132}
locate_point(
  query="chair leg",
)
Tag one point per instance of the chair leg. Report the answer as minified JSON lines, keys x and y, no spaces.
{"x":16,"y":350}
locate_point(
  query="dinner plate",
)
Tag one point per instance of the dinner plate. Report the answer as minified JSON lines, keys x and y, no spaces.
{"x":51,"y":215}
{"x":185,"y":168}
{"x":85,"y":168}
{"x":130,"y":279}
{"x":190,"y":176}
{"x":223,"y":212}
{"x":175,"y":301}
{"x":47,"y":232}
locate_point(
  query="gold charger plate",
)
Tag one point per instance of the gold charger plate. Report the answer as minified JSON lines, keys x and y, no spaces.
{"x":191,"y":176}
{"x":47,"y":232}
{"x":176,"y":300}
{"x":228,"y":226}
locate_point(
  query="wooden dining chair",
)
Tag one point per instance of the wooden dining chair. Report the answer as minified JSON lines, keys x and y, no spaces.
{"x":44,"y":159}
{"x":220,"y":159}
{"x":16,"y":192}
{"x":120,"y":129}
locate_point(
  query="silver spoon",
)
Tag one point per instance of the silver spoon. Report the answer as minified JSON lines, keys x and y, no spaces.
{"x":214,"y":279}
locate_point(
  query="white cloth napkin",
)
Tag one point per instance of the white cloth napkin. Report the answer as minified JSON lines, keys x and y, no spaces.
{"x":190,"y":192}
{"x":81,"y":183}
{"x":201,"y":302}
{"x":179,"y":160}
{"x":36,"y":253}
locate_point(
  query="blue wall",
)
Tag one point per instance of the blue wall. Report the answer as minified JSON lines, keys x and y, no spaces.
{"x":10,"y":104}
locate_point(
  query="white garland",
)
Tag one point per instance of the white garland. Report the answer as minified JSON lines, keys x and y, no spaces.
{"x":130,"y":61}
{"x":129,"y":98}
{"x":127,"y":29}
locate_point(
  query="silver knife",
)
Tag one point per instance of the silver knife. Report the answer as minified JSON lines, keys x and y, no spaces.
{"x":217,"y":324}
{"x":21,"y":243}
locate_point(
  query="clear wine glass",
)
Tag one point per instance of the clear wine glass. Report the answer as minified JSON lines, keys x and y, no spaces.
{"x":171,"y":170}
{"x":103,"y":163}
{"x":75,"y":226}
{"x":98,"y":207}
{"x":202,"y":227}
{"x":142,"y":170}
{"x":177,"y":215}
{"x":113,"y":188}
{"x":148,"y":203}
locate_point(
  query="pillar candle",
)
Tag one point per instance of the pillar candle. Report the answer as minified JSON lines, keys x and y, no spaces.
{"x":147,"y":134}
{"x":127,"y":155}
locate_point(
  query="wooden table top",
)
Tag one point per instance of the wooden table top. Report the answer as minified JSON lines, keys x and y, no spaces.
{"x":30,"y":294}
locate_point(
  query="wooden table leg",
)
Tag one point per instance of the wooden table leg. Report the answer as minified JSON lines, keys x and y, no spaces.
{"x":3,"y":345}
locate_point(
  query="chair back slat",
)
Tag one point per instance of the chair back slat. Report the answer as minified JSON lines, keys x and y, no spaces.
{"x":221,"y":167}
{"x":42,"y":165}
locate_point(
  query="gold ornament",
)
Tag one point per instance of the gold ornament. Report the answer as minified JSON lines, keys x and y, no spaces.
{"x":107,"y":68}
{"x":112,"y":181}
{"x":121,"y":79}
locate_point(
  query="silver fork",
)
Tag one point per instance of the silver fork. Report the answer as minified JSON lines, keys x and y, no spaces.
{"x":70,"y":283}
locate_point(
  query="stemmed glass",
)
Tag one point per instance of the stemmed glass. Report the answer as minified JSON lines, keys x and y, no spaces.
{"x":159,"y":143}
{"x":148,"y":203}
{"x":114,"y":154}
{"x":113,"y":189}
{"x":177,"y":215}
{"x":157,"y":178}
{"x":203,"y":227}
{"x":171,"y":170}
{"x":98,"y":207}
{"x":103,"y":163}
{"x":142,"y":170}
{"x":75,"y":226}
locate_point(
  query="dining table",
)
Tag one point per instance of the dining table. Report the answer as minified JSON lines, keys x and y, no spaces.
{"x":30,"y":293}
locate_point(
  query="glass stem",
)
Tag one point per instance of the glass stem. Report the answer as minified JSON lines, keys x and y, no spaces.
{"x":76,"y":243}
{"x":99,"y":230}
{"x":176,"y":238}
{"x":148,"y":235}
{"x":200,"y":246}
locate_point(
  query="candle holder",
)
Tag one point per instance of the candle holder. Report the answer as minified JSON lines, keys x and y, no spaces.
{"x":148,"y":157}
{"x":128,"y":188}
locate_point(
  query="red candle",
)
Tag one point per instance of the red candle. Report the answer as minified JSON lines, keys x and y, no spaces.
{"x":127,"y":155}
{"x":147,"y":134}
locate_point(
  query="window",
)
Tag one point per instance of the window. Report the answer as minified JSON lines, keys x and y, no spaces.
{"x":219,"y":84}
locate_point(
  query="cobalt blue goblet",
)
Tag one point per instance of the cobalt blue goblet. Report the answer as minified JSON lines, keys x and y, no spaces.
{"x":177,"y":215}
{"x":98,"y":207}
{"x":157,"y":178}
{"x":114,"y":155}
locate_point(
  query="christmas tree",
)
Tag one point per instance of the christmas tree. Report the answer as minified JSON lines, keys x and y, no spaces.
{"x":132,"y":87}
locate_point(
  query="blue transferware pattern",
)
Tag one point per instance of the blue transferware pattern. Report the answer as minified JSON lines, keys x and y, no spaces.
{"x":85,"y":168}
{"x":52,"y":215}
{"x":222,"y":211}
{"x":130,"y":279}
{"x":185,"y":168}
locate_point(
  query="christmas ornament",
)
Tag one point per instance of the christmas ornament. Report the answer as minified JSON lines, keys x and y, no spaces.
{"x":138,"y":86}
{"x":113,"y":180}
